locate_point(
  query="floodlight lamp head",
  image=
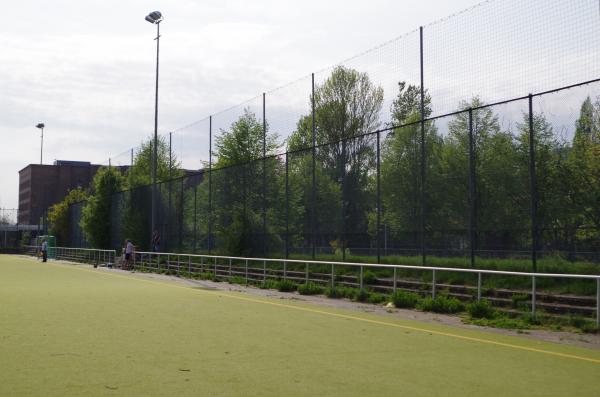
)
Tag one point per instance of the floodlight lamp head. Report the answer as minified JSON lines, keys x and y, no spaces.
{"x":154,"y":17}
{"x":40,"y":125}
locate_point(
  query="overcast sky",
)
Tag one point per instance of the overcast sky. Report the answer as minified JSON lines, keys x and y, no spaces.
{"x":86,"y":68}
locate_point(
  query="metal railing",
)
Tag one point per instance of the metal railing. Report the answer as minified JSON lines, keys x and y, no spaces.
{"x":96,"y":257}
{"x":223,"y":266}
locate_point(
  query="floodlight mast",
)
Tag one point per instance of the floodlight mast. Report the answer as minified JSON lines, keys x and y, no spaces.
{"x":41,"y":127}
{"x":155,"y":18}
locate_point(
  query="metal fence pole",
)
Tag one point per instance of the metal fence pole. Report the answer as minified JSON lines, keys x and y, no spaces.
{"x":306,"y":270}
{"x":378,"y":198}
{"x":433,"y":291}
{"x":395,"y":280}
{"x":314,"y":175}
{"x":598,"y":302}
{"x":471,"y":190}
{"x":287,"y":208}
{"x":264,"y":270}
{"x":478,"y":286}
{"x":246,"y":271}
{"x":361,"y":278}
{"x":181,"y":215}
{"x":215,"y":268}
{"x":332,"y":275}
{"x":209,"y":183}
{"x":533,"y":296}
{"x":264,"y":184}
{"x":423,"y":254}
{"x":195,"y":218}
{"x":533,"y":194}
{"x":230,"y":270}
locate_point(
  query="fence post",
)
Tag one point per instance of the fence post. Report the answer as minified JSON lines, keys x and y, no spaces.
{"x":361,"y":277}
{"x":378,"y":198}
{"x":332,"y":275}
{"x":264,"y":184}
{"x":195,"y":216}
{"x":598,"y":302}
{"x":215,"y":276}
{"x":533,"y":194}
{"x":478,"y":286}
{"x":533,"y":296}
{"x":230,"y":272}
{"x":314,"y":165}
{"x":189,"y":266}
{"x":433,"y":292}
{"x":264,"y":270}
{"x":284,"y":270}
{"x":287,"y":210}
{"x":246,"y":271}
{"x":423,"y":255}
{"x":209,"y":183}
{"x":472,"y":191}
{"x":395,"y":279}
{"x":306,"y":270}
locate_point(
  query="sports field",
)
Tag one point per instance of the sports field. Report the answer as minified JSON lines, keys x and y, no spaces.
{"x":70,"y":330}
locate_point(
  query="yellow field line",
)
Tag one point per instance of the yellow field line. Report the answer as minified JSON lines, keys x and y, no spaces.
{"x":349,"y":317}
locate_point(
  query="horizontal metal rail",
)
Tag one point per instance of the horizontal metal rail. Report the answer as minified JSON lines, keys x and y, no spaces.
{"x":155,"y":258}
{"x":97,"y":257}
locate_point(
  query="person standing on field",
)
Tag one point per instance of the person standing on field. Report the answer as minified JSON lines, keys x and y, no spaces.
{"x":155,"y":241}
{"x":129,"y":252}
{"x":44,"y":250}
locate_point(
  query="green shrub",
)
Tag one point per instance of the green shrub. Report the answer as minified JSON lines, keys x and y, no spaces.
{"x":334,"y":292}
{"x":269,"y":284}
{"x":369,"y":277}
{"x":519,"y":301}
{"x":286,"y":286}
{"x":481,"y":309}
{"x":441,"y":304}
{"x":376,"y":298}
{"x":342,"y":292}
{"x":362,"y":295}
{"x":405,"y":299}
{"x":310,"y":288}
{"x":237,"y":280}
{"x":502,"y":321}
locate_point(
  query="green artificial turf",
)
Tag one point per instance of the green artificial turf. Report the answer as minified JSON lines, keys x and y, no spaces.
{"x":70,"y":330}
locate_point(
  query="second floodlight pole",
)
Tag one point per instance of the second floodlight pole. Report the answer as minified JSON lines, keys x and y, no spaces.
{"x":155,"y":18}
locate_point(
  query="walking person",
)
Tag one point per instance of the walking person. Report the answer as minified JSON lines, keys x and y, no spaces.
{"x":44,"y":250}
{"x":155,"y":241}
{"x":129,"y":252}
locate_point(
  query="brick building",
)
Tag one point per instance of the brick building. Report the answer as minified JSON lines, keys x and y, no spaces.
{"x":41,"y":186}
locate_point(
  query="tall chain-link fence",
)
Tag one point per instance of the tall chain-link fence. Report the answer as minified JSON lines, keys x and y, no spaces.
{"x":477,"y":136}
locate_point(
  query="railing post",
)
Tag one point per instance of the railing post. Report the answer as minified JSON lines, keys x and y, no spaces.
{"x":215,"y":268}
{"x":598,"y":302}
{"x":246,"y":271}
{"x":433,"y":284}
{"x":189,"y":266}
{"x":284,"y":270}
{"x":395,"y":279}
{"x":230,"y":273}
{"x":332,"y":275}
{"x":478,"y":286}
{"x":533,"y":296}
{"x":264,"y":270}
{"x":361,"y":277}
{"x":306,"y":270}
